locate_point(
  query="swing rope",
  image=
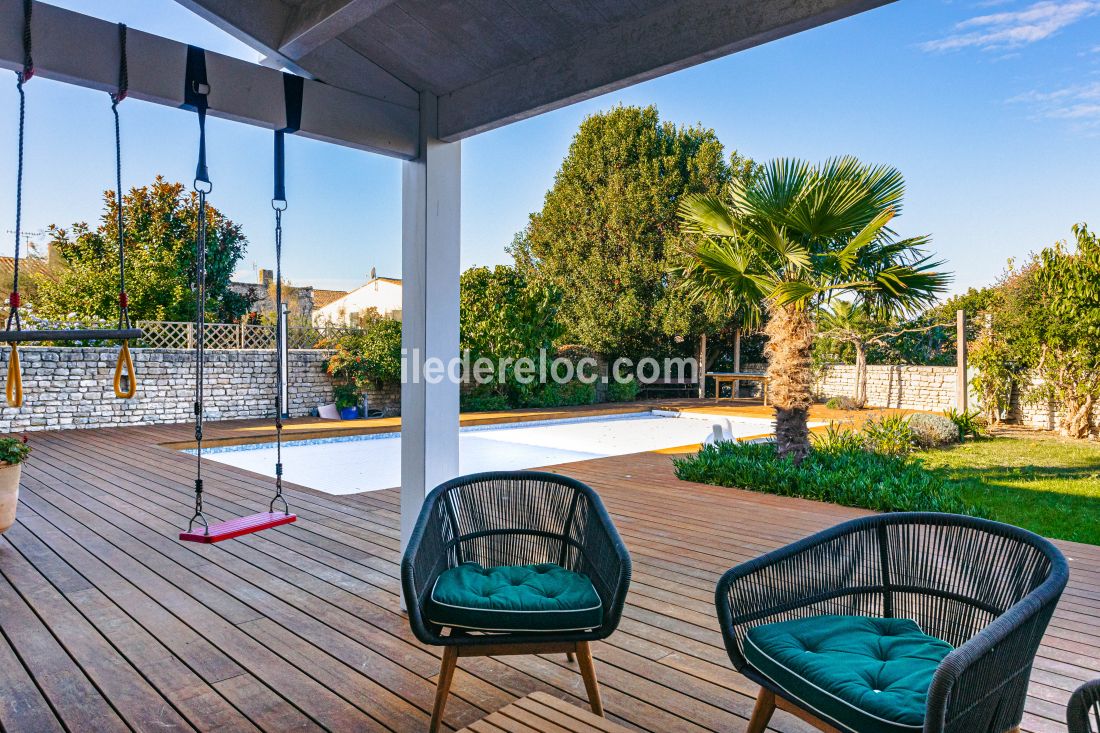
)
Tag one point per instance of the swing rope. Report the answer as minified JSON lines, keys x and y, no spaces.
{"x":279,"y":206}
{"x":293,"y":87}
{"x":125,"y":382}
{"x":14,"y":386}
{"x":13,"y":335}
{"x":196,"y":98}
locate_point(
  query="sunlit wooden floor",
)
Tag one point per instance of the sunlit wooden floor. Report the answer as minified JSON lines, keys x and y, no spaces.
{"x":110,"y":623}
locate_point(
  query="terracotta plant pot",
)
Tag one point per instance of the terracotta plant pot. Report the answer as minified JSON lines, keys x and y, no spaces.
{"x":9,"y":494}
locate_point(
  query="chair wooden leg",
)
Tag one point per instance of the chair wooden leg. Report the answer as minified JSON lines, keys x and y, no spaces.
{"x":762,"y":712}
{"x":570,"y":657}
{"x":588,"y":672}
{"x":443,"y":686}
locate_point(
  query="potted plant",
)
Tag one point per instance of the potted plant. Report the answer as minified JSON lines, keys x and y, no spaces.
{"x":13,"y":451}
{"x":347,"y":401}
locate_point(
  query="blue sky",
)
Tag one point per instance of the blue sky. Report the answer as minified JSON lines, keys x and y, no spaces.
{"x":991,"y":109}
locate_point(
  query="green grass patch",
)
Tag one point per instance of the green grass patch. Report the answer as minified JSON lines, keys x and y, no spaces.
{"x":848,"y":476}
{"x":1048,"y":485}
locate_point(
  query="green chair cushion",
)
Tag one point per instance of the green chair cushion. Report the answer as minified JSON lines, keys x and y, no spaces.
{"x":862,"y":674}
{"x":544,"y":597}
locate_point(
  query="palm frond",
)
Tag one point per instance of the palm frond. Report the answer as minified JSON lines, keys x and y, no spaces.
{"x":794,"y":292}
{"x":773,"y":236}
{"x":848,"y":256}
{"x":705,"y":214}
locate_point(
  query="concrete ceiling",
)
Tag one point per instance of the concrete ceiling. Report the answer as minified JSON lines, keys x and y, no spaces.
{"x":492,"y":62}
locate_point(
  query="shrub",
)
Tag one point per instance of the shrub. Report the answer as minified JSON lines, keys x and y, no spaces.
{"x":889,"y":435}
{"x":622,"y":391}
{"x":842,"y":403}
{"x":838,"y":438}
{"x":369,"y":356}
{"x":560,"y":395}
{"x":933,"y":431}
{"x":967,"y":422}
{"x":851,"y":477}
{"x":346,"y":395}
{"x":14,"y":450}
{"x":483,"y":402}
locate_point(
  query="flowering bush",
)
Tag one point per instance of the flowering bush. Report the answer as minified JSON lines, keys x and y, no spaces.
{"x":366,"y":358}
{"x":14,"y":450}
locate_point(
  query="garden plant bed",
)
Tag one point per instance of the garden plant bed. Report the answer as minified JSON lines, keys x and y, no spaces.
{"x":1035,"y":480}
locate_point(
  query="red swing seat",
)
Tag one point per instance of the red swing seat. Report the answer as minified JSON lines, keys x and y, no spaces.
{"x":231,"y":528}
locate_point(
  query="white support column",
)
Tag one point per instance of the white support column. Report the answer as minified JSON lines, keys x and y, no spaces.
{"x":431,"y":202}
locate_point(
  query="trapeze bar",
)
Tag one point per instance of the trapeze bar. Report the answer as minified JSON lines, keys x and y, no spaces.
{"x":89,"y":334}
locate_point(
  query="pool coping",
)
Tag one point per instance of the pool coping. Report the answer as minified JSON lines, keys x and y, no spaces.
{"x":297,"y":440}
{"x":393,"y":424}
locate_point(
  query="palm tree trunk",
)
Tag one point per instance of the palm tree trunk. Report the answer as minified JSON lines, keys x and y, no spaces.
{"x":790,"y":378}
{"x":861,"y":375}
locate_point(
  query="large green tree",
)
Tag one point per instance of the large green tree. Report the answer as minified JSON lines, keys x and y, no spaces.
{"x":160,"y":226}
{"x":784,"y":242}
{"x":504,"y":316}
{"x":1044,"y":321}
{"x":608,"y":232}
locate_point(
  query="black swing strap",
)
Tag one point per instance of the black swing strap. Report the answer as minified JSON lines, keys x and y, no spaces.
{"x":14,"y":386}
{"x":125,"y":382}
{"x":293,"y":87}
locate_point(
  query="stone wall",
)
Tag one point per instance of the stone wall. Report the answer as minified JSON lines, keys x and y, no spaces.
{"x":72,"y":387}
{"x":910,"y":387}
{"x":931,"y":389}
{"x":1039,"y":414}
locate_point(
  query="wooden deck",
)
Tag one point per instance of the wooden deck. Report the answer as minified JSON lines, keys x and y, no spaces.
{"x":108,"y":622}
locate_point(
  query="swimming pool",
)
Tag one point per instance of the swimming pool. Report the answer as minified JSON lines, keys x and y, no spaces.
{"x":350,"y":464}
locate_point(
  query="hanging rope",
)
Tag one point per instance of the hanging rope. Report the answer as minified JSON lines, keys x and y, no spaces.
{"x":231,"y":528}
{"x":125,"y":382}
{"x":279,"y":205}
{"x":14,"y":387}
{"x":293,"y":87}
{"x":195,"y":97}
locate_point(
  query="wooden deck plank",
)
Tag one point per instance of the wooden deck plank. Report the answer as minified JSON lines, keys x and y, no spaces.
{"x":311,"y":611}
{"x":72,"y":696}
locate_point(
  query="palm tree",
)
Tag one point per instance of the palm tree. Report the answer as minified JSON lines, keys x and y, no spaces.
{"x":790,"y":239}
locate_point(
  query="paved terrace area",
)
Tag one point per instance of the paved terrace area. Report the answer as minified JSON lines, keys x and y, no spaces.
{"x":109,"y":623}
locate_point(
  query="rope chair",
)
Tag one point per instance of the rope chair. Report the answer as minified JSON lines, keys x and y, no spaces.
{"x":980,"y":593}
{"x":515,"y":521}
{"x":1083,"y":713}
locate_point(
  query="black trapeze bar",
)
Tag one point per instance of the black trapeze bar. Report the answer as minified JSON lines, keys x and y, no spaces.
{"x":73,"y":334}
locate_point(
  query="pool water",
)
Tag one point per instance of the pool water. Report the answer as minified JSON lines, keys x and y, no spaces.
{"x":352,"y":464}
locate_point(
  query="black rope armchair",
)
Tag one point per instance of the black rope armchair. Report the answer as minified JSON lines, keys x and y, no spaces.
{"x":514,"y":518}
{"x":1083,"y":713}
{"x":988,"y":589}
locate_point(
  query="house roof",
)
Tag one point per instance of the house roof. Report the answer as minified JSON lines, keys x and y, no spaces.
{"x":321,"y":298}
{"x":27,"y":266}
{"x":336,"y":301}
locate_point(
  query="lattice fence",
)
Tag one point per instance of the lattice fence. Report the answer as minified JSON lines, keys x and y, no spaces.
{"x":181,"y":335}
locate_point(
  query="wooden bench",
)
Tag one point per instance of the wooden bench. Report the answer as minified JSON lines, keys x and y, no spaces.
{"x":732,"y":378}
{"x":670,"y":387}
{"x":542,"y":713}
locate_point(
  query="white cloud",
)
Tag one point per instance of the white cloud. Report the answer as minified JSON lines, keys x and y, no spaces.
{"x":1078,"y":105}
{"x":1015,"y":28}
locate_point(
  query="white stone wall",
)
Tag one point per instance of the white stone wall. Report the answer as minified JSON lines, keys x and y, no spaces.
{"x":929,"y":388}
{"x":72,"y":387}
{"x":1039,"y":414}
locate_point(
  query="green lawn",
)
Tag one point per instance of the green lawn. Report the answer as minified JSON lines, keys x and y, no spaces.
{"x":1048,"y":485}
